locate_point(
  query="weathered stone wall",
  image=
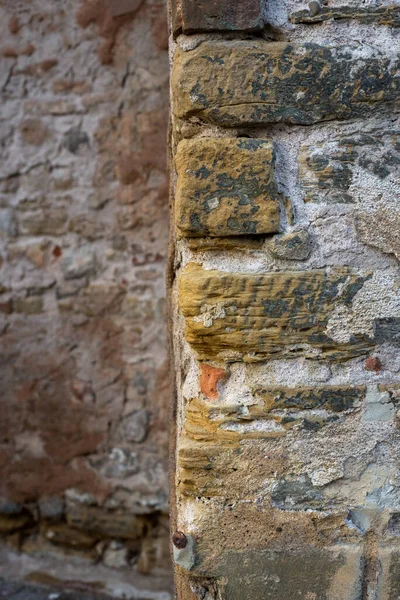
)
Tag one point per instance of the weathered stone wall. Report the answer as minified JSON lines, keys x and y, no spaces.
{"x":83,"y":237}
{"x":286,"y":303}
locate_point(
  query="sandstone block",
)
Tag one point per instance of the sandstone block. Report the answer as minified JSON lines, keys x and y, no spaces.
{"x":291,"y":246}
{"x":240,"y":83}
{"x":97,"y":520}
{"x":389,"y":580}
{"x":381,"y":15}
{"x":256,"y":316}
{"x":333,"y":573}
{"x":226,"y":187}
{"x":217,"y":15}
{"x":62,"y":534}
{"x":242,"y":244}
{"x":273,"y":412}
{"x":331,"y":398}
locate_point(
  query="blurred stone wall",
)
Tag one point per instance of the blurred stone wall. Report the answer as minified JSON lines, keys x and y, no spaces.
{"x":83,"y":236}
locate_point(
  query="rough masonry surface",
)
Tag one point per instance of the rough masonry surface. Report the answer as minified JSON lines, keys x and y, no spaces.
{"x":286,"y":341}
{"x":226,"y":187}
{"x":254,"y":83}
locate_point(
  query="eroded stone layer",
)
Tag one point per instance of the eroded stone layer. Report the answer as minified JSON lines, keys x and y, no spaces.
{"x":211,"y":15}
{"x":226,"y":187}
{"x":382,"y":15}
{"x":253,"y":317}
{"x":255,"y":82}
{"x":328,"y":170}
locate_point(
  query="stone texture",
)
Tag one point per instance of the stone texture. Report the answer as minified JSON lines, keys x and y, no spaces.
{"x":103,"y":523}
{"x":241,"y":83}
{"x":335,"y":399}
{"x":291,"y":246}
{"x":217,"y":15}
{"x":83,"y":226}
{"x":381,"y":15}
{"x":286,"y":346}
{"x":379,"y":227}
{"x":235,"y":316}
{"x":329,"y":169}
{"x":329,"y":573}
{"x":388,"y":583}
{"x":388,"y":330}
{"x":226,"y":187}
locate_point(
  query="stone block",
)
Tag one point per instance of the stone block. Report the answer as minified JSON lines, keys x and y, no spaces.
{"x":389,"y":578}
{"x":254,"y":316}
{"x":380,"y":226}
{"x":380,"y":15}
{"x":190,"y":16}
{"x":312,"y":573}
{"x":63,"y":535}
{"x":97,"y":520}
{"x":291,"y":246}
{"x":387,"y":330}
{"x":49,"y":221}
{"x":332,"y":398}
{"x":79,"y":263}
{"x":328,"y":169}
{"x":226,"y":187}
{"x":237,"y":83}
{"x":136,"y":426}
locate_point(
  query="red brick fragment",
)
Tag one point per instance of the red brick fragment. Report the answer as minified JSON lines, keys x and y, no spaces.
{"x":373,"y":364}
{"x":209,"y":378}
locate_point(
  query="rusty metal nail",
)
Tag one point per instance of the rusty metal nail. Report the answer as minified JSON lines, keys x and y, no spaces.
{"x":373,"y":364}
{"x":179,"y":540}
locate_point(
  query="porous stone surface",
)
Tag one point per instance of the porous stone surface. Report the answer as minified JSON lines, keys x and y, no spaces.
{"x":328,"y":171}
{"x":317,"y":13}
{"x":83,"y":244}
{"x":266,"y":316}
{"x":217,"y":15}
{"x":296,"y":245}
{"x":286,"y":344}
{"x":226,"y":187}
{"x":255,"y":82}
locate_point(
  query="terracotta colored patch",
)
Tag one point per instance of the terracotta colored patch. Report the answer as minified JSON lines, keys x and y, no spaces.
{"x":373,"y":364}
{"x":209,"y":378}
{"x":98,"y":12}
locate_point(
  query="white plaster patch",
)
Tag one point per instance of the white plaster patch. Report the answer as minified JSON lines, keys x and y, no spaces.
{"x":378,"y":298}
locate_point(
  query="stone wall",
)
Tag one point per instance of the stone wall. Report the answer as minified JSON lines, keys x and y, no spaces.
{"x":286,"y":303}
{"x":83,"y":237}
